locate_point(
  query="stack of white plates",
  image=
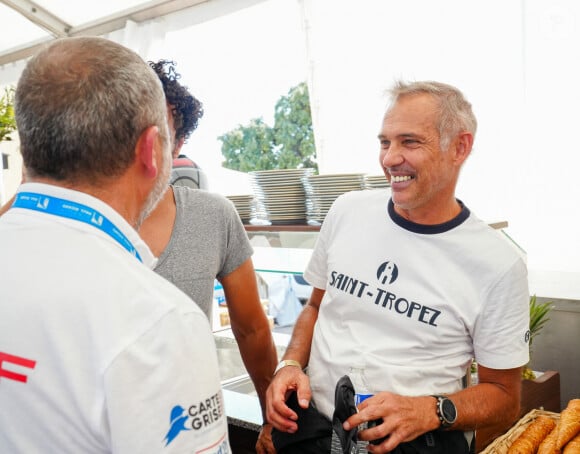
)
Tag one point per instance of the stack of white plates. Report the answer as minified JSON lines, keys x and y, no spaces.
{"x":322,"y":191}
{"x":280,"y":196}
{"x":376,"y":182}
{"x":244,"y":205}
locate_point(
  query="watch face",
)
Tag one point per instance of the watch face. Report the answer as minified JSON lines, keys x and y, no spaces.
{"x":449,"y":411}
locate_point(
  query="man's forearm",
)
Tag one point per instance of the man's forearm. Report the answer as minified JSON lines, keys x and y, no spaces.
{"x":300,"y":343}
{"x":260,"y":358}
{"x":489,"y":403}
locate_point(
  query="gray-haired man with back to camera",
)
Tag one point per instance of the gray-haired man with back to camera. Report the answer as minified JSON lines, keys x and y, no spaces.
{"x":98,"y":354}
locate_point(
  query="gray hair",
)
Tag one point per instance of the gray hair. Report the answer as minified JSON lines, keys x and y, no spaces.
{"x":81,"y":105}
{"x":455,"y":112}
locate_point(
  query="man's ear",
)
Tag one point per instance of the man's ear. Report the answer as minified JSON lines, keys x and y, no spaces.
{"x":146,"y":152}
{"x":462,"y":149}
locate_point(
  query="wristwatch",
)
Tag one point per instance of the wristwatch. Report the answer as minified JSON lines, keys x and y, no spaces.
{"x":286,"y":362}
{"x":446,"y":411}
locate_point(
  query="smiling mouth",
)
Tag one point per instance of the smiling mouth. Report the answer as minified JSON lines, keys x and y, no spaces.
{"x":400,"y":178}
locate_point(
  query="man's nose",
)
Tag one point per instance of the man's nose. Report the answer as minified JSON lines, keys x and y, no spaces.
{"x":392,"y":157}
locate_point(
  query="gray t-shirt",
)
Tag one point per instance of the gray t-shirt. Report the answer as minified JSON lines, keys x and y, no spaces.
{"x":208,"y":241}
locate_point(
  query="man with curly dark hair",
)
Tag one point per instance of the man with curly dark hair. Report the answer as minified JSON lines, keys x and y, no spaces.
{"x":185,"y":108}
{"x":186,"y":111}
{"x":199,"y":237}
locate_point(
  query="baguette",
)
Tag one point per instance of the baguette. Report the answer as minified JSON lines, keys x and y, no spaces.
{"x":530,"y":439}
{"x":569,"y":425}
{"x":574,"y":403}
{"x":573,"y":446}
{"x":548,"y":445}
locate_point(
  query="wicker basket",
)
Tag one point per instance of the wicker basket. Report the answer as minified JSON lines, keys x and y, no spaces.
{"x":501,"y":444}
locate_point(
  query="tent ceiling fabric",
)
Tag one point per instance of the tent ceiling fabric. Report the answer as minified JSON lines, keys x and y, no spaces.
{"x":48,"y":22}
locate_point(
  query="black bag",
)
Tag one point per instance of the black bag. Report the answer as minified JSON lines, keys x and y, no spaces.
{"x":313,"y":435}
{"x":317,"y":435}
{"x":185,"y":172}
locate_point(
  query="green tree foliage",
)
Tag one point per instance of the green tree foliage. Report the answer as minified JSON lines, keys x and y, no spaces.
{"x":7,"y":120}
{"x":247,"y":148}
{"x":287,"y":145}
{"x":293,"y":131}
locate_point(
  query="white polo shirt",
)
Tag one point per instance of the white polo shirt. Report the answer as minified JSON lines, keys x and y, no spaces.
{"x":99,"y":354}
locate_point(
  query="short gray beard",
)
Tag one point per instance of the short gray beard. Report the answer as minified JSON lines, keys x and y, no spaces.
{"x":161,"y":185}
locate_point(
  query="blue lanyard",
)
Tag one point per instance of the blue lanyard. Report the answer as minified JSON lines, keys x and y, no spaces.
{"x":76,"y":211}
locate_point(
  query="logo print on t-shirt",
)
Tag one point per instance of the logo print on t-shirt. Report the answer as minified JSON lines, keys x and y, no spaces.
{"x":177,"y":420}
{"x":387,"y":273}
{"x":200,"y":415}
{"x":17,"y":360}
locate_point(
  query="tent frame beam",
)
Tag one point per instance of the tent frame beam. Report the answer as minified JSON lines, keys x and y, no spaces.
{"x":39,"y":16}
{"x":58,"y":28}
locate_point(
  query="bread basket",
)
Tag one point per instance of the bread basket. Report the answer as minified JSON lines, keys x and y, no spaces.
{"x":502,"y":443}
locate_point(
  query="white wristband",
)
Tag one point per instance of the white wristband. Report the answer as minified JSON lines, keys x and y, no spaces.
{"x":286,"y":362}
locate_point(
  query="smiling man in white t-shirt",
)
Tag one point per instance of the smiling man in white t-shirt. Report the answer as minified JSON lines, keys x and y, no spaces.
{"x":409,"y":286}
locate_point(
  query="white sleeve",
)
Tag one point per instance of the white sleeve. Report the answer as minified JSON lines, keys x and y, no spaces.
{"x":163,"y":392}
{"x":501,"y":334}
{"x":315,"y":273}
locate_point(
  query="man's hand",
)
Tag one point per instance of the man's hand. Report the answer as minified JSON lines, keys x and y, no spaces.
{"x":264,"y":444}
{"x":404,"y":419}
{"x":288,"y":379}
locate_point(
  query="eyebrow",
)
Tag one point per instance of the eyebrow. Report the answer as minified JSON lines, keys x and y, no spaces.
{"x":405,"y":135}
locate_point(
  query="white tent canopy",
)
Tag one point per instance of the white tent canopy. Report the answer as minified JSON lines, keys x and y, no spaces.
{"x":141,"y":26}
{"x":518,"y":63}
{"x":26,"y":25}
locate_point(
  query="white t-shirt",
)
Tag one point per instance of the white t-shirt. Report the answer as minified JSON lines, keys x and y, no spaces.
{"x":411,"y":305}
{"x":98,"y":353}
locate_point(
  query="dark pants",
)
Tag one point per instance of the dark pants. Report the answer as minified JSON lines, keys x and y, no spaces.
{"x":436,"y":442}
